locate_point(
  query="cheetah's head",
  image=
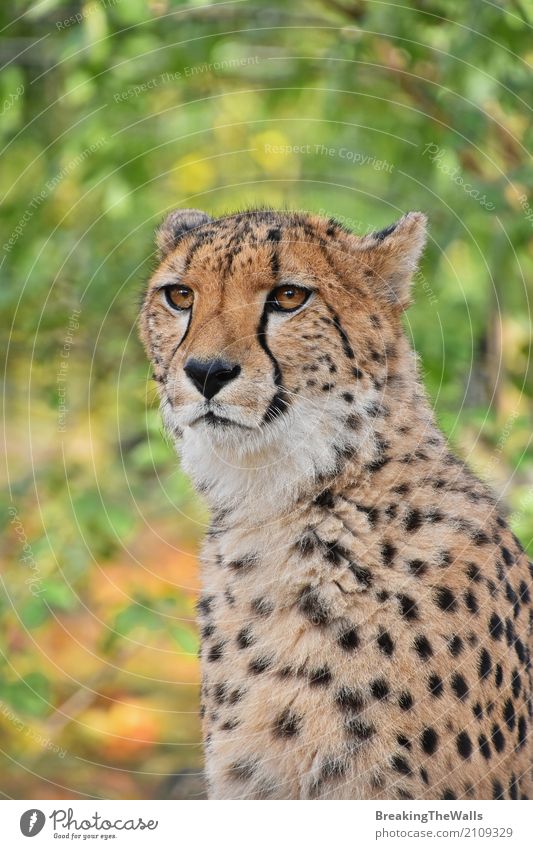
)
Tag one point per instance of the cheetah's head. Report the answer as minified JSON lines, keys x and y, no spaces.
{"x":273,"y":336}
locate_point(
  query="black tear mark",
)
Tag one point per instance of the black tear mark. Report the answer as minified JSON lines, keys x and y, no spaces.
{"x":280,"y":401}
{"x":335,"y":320}
{"x":174,"y":352}
{"x":277,"y":406}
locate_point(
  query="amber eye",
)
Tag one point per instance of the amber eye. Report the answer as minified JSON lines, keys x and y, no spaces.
{"x":288,"y":298}
{"x":179,"y":297}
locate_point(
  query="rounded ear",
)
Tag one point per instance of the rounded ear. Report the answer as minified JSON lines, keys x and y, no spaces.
{"x":175,"y":226}
{"x":392,"y":255}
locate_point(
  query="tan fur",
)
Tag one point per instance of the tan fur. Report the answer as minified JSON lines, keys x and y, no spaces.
{"x":365,"y":611}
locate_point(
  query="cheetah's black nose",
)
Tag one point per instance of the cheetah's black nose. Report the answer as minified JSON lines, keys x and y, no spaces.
{"x":209,"y":376}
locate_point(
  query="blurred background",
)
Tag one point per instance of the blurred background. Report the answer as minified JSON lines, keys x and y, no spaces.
{"x":114,"y":112}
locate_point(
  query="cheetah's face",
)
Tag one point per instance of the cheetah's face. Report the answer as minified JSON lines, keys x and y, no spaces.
{"x":268,"y":326}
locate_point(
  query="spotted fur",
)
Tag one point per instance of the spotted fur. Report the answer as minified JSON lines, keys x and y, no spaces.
{"x":366,"y":612}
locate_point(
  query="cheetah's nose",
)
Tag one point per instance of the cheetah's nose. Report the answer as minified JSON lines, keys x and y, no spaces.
{"x":209,"y":376}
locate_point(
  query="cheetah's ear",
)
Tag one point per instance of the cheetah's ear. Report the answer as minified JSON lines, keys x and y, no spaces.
{"x":391,"y":256}
{"x":175,"y":226}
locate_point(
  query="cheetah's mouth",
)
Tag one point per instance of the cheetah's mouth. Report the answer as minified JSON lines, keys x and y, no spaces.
{"x":217,"y":421}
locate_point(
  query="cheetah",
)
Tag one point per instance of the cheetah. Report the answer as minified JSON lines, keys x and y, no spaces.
{"x":365,"y":611}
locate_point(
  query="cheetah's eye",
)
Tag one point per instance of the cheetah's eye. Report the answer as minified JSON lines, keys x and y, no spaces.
{"x":288,"y":298}
{"x":179,"y":297}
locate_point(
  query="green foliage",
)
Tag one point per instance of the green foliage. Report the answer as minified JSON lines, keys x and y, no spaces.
{"x":123,"y":109}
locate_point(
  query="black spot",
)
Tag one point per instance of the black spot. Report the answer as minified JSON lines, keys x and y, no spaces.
{"x":243,"y":564}
{"x":215,"y":652}
{"x":287,"y":724}
{"x":495,"y":627}
{"x":348,"y":397}
{"x":485,"y":664}
{"x":413,"y":520}
{"x":332,"y":768}
{"x":403,"y":741}
{"x":513,"y":787}
{"x":230,"y":724}
{"x":471,"y":602}
{"x":405,"y":701}
{"x":401,"y":793}
{"x":473,"y":572}
{"x":507,"y":556}
{"x":509,"y":714}
{"x":455,"y":645}
{"x":259,"y":664}
{"x":204,"y":604}
{"x":408,"y":607}
{"x":382,"y":595}
{"x":497,"y":789}
{"x":353,"y":421}
{"x":262,"y":606}
{"x":435,"y":685}
{"x":448,"y":794}
{"x":522,"y":731}
{"x":491,"y":586}
{"x":520,"y":650}
{"x":477,"y":710}
{"x":445,"y":599}
{"x":429,"y":741}
{"x":313,"y":607}
{"x":207,"y":631}
{"x":512,"y":598}
{"x":348,"y":639}
{"x":523,"y":592}
{"x":516,"y":683}
{"x":464,"y":745}
{"x":335,"y":553}
{"x":422,"y":646}
{"x":484,"y":747}
{"x":388,"y":553}
{"x":320,"y":677}
{"x":245,"y":638}
{"x":417,"y":567}
{"x":235,"y":696}
{"x":498,"y":740}
{"x":349,"y":700}
{"x":363,"y":575}
{"x":372,"y":513}
{"x":479,"y":537}
{"x":379,"y":688}
{"x":459,"y":686}
{"x":424,"y":775}
{"x":360,"y":729}
{"x":357,"y":373}
{"x":385,"y":643}
{"x":498,"y":678}
{"x":219,"y":693}
{"x":399,"y":764}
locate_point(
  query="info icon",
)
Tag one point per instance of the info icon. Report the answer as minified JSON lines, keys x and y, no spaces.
{"x":32,"y":822}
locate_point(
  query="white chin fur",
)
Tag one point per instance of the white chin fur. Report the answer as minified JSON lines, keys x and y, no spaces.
{"x":262,"y":471}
